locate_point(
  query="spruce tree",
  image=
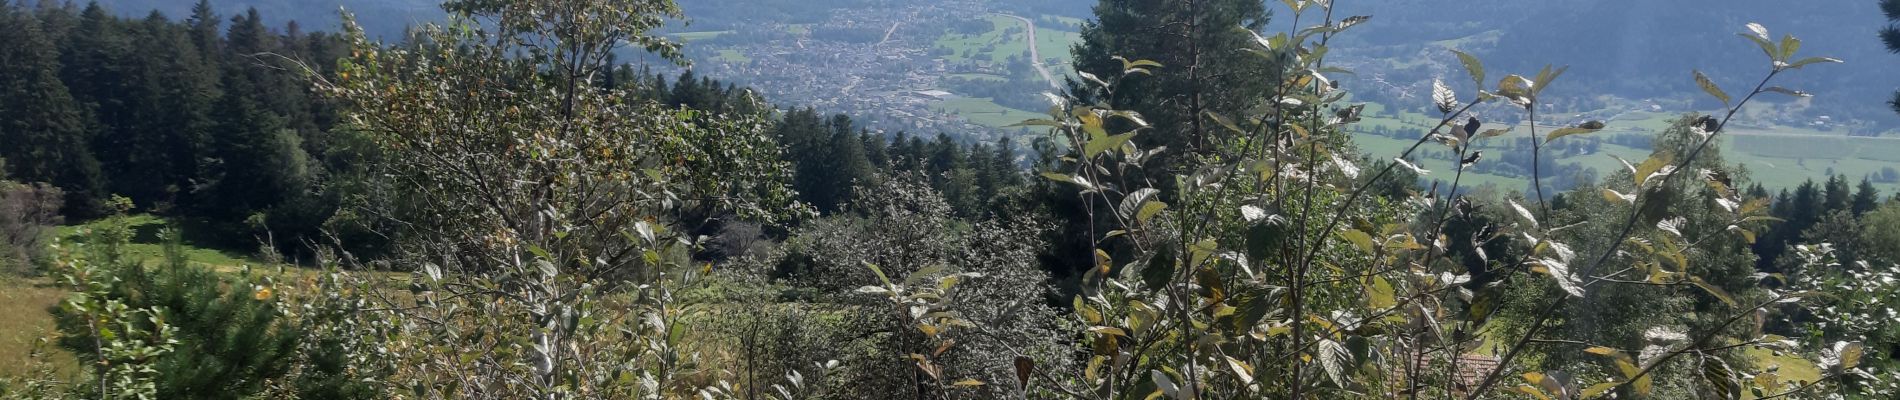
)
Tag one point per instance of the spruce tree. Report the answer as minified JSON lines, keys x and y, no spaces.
{"x":254,"y":162}
{"x":171,"y":94}
{"x":43,"y":128}
{"x":874,"y":150}
{"x":1836,"y":195}
{"x":204,"y":23}
{"x":1866,"y":198}
{"x":1196,"y":42}
{"x":1891,"y":36}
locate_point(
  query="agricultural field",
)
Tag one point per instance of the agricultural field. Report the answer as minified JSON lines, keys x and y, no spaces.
{"x":982,"y":111}
{"x":1776,"y":157}
{"x":732,"y":56}
{"x":699,"y":35}
{"x":1003,"y":40}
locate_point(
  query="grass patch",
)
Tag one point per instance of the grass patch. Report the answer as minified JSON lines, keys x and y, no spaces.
{"x":1054,"y":44}
{"x":979,"y":77}
{"x":993,"y":46}
{"x":146,"y":246}
{"x":24,"y":321}
{"x":982,"y":111}
{"x":1792,"y":368}
{"x":1062,"y":23}
{"x":798,"y":29}
{"x":699,"y":35}
{"x":731,"y":56}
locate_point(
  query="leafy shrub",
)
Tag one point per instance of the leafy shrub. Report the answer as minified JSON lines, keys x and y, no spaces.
{"x":26,"y":213}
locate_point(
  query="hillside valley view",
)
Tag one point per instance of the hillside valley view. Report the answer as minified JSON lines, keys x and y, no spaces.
{"x":949,"y":199}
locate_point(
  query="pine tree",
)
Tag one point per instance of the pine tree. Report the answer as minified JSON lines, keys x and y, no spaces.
{"x":44,"y":129}
{"x":232,"y":339}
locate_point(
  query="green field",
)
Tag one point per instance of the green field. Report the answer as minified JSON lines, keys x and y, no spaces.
{"x":1054,"y":44}
{"x":979,"y":77}
{"x":1777,"y":157}
{"x":982,"y":111}
{"x":700,"y":35}
{"x":731,"y":56}
{"x":999,"y":45}
{"x":24,"y":301}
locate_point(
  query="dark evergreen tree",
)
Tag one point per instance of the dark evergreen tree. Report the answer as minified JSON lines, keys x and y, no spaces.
{"x":204,"y":23}
{"x":1866,"y":198}
{"x":43,"y":128}
{"x":1891,"y":36}
{"x":874,"y":150}
{"x":1197,"y":43}
{"x":231,"y":338}
{"x":1836,"y":195}
{"x":254,"y":162}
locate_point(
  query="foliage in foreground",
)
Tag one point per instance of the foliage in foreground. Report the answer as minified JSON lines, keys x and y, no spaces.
{"x":549,"y":245}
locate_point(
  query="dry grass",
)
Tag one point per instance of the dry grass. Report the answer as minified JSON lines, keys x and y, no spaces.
{"x":24,"y":321}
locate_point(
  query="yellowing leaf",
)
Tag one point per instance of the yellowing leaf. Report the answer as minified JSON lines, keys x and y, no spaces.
{"x":1358,"y":239}
{"x":1710,"y":87}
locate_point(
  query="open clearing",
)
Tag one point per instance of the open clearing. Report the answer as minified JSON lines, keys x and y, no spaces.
{"x":982,"y":111}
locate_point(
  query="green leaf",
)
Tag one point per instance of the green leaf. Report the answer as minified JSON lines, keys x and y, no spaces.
{"x":1148,"y":211}
{"x":1713,"y":291}
{"x":1064,"y":178}
{"x":1787,"y":91}
{"x":1134,"y":201}
{"x":1224,"y":122}
{"x":1472,"y":66}
{"x":1160,"y":268}
{"x":1789,"y":46}
{"x":1358,"y":239}
{"x":1767,"y":48}
{"x":1650,"y":168}
{"x":1140,"y":63}
{"x":1164,"y":385}
{"x":1545,"y":77}
{"x":880,"y":274}
{"x":1813,"y":60}
{"x":1561,"y":132}
{"x":1600,"y":389}
{"x":1253,"y":309}
{"x":1035,"y":122}
{"x":1517,"y":88}
{"x":1332,"y":357}
{"x":1710,"y":87}
{"x":1263,"y":237}
{"x":1523,"y":212}
{"x":1097,"y":146}
{"x":1722,"y":381}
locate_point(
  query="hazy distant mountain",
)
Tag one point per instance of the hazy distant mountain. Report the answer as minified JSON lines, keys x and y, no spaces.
{"x":1630,"y":48}
{"x":384,"y":18}
{"x":1641,"y":48}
